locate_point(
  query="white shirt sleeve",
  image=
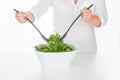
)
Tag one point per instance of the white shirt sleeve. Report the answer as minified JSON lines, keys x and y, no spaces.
{"x":40,"y":8}
{"x":101,"y":11}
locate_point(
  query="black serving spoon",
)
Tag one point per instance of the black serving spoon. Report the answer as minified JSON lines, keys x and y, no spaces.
{"x":73,"y":23}
{"x":34,"y":26}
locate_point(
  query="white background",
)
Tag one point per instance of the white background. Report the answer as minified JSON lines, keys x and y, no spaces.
{"x":19,"y":62}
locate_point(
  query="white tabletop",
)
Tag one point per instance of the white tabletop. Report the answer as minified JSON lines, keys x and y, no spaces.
{"x":98,"y":66}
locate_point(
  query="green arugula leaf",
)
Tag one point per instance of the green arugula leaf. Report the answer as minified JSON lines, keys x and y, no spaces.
{"x":54,"y":44}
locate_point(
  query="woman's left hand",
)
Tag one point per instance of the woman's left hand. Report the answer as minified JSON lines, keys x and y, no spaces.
{"x":86,"y":14}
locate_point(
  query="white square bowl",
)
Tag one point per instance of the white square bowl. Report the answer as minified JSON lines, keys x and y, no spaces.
{"x":56,"y":60}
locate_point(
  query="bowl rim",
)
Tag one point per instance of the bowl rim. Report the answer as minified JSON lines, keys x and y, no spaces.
{"x":74,"y":51}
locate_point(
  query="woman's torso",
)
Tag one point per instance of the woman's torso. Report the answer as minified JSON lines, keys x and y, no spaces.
{"x":82,"y":34}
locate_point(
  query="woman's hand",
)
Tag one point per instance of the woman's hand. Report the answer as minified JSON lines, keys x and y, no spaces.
{"x":90,"y":18}
{"x":21,"y":16}
{"x":86,"y":14}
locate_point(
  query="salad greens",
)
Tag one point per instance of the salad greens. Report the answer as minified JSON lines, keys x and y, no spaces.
{"x":54,"y":44}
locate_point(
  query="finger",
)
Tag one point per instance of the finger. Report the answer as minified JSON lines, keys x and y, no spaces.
{"x":21,"y":14}
{"x":89,"y":11}
{"x":83,"y":10}
{"x":21,"y":20}
{"x":85,"y":19}
{"x":86,"y":16}
{"x":20,"y":17}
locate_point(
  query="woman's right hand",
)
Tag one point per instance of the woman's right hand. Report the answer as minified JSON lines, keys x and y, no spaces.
{"x":21,"y":17}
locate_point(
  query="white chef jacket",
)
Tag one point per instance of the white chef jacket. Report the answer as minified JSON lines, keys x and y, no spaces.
{"x":82,"y":34}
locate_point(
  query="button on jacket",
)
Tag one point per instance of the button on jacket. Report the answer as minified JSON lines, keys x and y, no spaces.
{"x":82,"y":34}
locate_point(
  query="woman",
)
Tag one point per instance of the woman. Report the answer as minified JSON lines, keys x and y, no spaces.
{"x":82,"y":34}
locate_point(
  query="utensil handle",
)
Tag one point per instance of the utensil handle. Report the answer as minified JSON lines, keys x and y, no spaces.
{"x":73,"y":23}
{"x":90,"y":6}
{"x":34,"y":26}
